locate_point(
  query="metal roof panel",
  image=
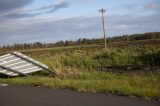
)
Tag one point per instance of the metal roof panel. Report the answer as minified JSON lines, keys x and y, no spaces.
{"x":15,"y":63}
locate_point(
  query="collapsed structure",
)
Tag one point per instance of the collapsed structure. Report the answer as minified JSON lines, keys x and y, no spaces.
{"x":15,"y":63}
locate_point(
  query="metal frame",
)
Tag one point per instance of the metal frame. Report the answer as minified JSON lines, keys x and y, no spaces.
{"x":13,"y":53}
{"x":23,"y":58}
{"x":12,"y":70}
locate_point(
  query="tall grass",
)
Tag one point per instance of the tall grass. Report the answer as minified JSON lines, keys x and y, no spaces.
{"x":69,"y":64}
{"x":98,"y":57}
{"x":150,"y":59}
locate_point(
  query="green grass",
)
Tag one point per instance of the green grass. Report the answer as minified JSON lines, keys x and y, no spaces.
{"x":71,"y":65}
{"x":95,"y":57}
{"x":141,"y":85}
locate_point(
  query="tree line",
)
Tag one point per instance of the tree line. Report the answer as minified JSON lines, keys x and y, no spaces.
{"x":84,"y":41}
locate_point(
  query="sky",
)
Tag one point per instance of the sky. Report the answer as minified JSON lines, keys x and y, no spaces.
{"x":46,"y":21}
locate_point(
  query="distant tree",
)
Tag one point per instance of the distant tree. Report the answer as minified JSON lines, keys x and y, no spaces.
{"x":60,"y":43}
{"x":84,"y":41}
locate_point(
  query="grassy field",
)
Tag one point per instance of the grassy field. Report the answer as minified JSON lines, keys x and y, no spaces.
{"x":77,"y":70}
{"x":98,"y":57}
{"x":153,"y":42}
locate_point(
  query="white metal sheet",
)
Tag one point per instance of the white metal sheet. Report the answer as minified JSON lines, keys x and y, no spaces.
{"x":13,"y":64}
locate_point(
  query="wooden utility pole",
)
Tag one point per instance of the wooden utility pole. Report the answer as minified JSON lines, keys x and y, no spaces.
{"x":103,"y":23}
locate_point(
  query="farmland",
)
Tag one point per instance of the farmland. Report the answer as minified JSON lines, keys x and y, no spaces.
{"x":79,"y":69}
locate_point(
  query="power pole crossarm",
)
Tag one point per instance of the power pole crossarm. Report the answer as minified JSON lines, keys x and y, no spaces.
{"x":103,"y":23}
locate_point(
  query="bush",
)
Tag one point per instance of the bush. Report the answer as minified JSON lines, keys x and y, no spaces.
{"x":150,"y":59}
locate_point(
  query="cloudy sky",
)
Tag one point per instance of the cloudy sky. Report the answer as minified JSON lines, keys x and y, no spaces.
{"x":26,"y":21}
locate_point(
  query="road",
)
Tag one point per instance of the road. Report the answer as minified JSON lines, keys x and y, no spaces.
{"x":13,"y":95}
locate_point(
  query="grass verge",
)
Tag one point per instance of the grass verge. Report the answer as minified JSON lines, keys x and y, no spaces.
{"x":141,"y":85}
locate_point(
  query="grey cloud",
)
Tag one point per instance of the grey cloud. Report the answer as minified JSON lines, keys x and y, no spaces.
{"x":73,"y":28}
{"x":29,"y":13}
{"x":155,"y":5}
{"x":8,"y":9}
{"x":133,"y":24}
{"x":9,"y":5}
{"x":51,"y":8}
{"x":55,"y":7}
{"x":20,"y":15}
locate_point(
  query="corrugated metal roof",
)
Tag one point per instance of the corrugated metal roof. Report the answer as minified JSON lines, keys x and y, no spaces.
{"x":15,"y":63}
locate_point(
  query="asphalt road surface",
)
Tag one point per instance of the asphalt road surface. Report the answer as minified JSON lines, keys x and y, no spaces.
{"x":12,"y":95}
